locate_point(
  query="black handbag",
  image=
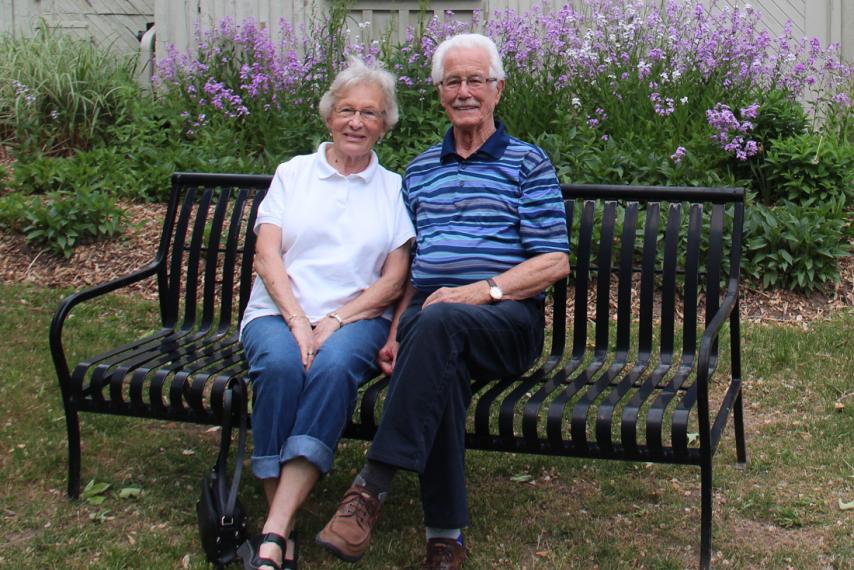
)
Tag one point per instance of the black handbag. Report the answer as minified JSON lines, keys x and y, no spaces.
{"x":222,"y":519}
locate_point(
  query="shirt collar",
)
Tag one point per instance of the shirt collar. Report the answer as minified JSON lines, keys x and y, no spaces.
{"x":326,"y":170}
{"x":493,"y":147}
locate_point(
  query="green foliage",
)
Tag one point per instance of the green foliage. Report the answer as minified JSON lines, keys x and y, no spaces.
{"x":60,"y":219}
{"x":58,"y":93}
{"x":796,"y":246}
{"x":780,"y":116}
{"x":810,"y":168}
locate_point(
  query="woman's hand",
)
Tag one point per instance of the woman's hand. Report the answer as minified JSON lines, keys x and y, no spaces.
{"x":301,"y":329}
{"x":387,"y":356}
{"x":324,"y":329}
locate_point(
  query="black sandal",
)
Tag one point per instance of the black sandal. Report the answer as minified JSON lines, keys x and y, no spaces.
{"x":253,"y":561}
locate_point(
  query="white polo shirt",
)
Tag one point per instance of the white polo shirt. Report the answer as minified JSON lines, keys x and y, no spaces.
{"x":336,"y":232}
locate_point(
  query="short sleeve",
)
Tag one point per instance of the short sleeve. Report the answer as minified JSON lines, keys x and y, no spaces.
{"x":403,"y":228}
{"x":272,"y":208}
{"x":541,"y":210}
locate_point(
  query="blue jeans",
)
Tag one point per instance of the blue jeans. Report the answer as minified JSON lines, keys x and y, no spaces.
{"x":298,"y":412}
{"x":442,"y":348}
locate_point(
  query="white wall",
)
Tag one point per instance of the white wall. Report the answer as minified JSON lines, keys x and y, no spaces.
{"x":176,"y":19}
{"x":115,"y":23}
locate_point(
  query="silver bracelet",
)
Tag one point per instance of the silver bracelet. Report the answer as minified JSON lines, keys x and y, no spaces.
{"x":337,"y":317}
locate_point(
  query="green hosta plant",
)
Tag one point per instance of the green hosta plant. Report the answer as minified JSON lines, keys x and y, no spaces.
{"x":796,"y":246}
{"x":60,"y":220}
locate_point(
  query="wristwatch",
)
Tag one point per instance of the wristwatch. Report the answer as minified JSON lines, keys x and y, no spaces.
{"x":495,"y":291}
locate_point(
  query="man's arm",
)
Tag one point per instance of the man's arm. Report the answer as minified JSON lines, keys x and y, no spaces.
{"x":523,"y":281}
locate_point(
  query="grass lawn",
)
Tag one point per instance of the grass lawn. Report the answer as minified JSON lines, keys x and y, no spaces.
{"x":788,"y":509}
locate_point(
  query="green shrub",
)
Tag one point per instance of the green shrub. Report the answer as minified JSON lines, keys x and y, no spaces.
{"x":60,"y":220}
{"x":59,"y":93}
{"x":810,"y":168}
{"x":796,"y":246}
{"x":12,"y":209}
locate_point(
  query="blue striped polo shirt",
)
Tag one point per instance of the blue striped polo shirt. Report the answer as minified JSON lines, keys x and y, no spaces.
{"x":477,"y":217}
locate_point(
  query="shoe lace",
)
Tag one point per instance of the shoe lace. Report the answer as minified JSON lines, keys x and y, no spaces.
{"x":357,"y":505}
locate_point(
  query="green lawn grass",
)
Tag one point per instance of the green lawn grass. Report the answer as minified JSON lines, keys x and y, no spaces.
{"x":783,"y":511}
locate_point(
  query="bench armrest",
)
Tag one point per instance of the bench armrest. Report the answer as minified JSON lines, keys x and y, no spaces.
{"x":56,"y":349}
{"x":704,"y":358}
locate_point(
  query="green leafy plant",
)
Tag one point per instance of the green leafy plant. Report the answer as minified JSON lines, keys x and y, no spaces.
{"x":60,"y":220}
{"x":796,"y":246}
{"x":810,"y":168}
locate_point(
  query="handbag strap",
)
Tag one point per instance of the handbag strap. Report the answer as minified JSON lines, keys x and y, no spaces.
{"x":234,"y":395}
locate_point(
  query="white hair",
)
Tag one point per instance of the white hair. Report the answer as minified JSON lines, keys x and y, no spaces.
{"x":358,"y":72}
{"x":479,"y":41}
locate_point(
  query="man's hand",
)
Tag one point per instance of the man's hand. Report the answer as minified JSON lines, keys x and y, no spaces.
{"x":476,"y":293}
{"x":387,"y":356}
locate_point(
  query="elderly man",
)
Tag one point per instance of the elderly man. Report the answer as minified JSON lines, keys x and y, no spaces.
{"x":490,"y":238}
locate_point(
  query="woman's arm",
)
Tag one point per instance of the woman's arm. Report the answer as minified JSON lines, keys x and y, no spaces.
{"x":271,"y":269}
{"x":387,"y":355}
{"x":374,"y":300}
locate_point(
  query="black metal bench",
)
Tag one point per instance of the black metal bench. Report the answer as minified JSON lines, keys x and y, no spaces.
{"x":658,"y":265}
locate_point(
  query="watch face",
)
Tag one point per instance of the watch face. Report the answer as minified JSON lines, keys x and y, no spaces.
{"x":495,"y":292}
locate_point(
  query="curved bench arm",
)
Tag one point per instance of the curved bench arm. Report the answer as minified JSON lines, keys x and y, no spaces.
{"x":707,"y":341}
{"x":56,"y":349}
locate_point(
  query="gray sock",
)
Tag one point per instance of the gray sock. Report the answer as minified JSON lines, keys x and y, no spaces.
{"x":376,"y":477}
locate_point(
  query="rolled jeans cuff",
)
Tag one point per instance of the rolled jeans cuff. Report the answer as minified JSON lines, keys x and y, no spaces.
{"x":312,"y":449}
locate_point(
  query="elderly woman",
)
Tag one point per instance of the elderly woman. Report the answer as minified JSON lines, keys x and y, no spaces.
{"x":332,"y":256}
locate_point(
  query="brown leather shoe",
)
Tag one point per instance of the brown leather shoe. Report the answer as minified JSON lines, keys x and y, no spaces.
{"x":444,"y":554}
{"x":348,"y":533}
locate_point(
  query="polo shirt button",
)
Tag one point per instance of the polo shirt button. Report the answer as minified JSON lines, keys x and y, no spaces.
{"x":462,"y":183}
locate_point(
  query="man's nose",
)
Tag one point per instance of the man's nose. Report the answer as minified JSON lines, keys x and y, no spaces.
{"x":465,"y":91}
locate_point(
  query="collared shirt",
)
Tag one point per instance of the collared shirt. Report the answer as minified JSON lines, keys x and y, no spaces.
{"x":336,"y":232}
{"x":479,"y":216}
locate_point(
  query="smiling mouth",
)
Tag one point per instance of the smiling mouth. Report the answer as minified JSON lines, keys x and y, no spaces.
{"x":466,"y":107}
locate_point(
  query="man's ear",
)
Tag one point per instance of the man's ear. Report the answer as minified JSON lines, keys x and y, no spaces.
{"x":500,"y":88}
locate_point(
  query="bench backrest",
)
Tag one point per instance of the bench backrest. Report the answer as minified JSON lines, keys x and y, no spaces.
{"x":207,"y":247}
{"x":644,"y":260}
{"x":670,"y":254}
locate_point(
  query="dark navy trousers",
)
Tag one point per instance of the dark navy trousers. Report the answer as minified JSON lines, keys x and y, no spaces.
{"x":442,"y":349}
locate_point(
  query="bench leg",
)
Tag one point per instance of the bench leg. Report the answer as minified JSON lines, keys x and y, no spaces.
{"x":705,"y":515}
{"x":72,"y":424}
{"x":738,"y":425}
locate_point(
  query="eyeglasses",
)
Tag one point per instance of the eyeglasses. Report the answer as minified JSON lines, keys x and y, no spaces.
{"x":367,"y":115}
{"x":475,"y":82}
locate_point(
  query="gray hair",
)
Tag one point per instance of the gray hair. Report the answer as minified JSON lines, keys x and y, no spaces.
{"x":358,"y":72}
{"x":496,"y":67}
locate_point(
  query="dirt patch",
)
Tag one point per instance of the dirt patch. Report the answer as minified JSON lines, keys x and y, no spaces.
{"x":91,"y":263}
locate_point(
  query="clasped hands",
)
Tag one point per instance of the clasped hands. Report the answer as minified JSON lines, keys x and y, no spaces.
{"x":310,"y":339}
